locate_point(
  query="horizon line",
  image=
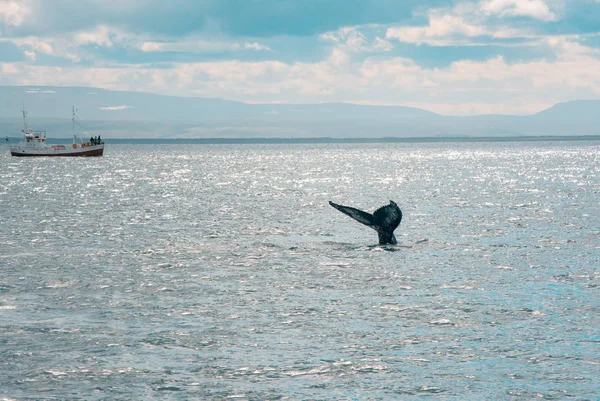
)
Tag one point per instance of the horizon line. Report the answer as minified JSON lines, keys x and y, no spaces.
{"x":308,"y":140}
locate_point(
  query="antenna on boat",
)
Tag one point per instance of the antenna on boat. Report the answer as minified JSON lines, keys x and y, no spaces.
{"x":74,"y":120}
{"x":24,"y":117}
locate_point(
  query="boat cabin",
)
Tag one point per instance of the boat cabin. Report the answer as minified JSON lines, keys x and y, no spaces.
{"x":33,"y":136}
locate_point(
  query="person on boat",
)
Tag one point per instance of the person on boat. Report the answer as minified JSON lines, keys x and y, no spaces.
{"x":99,"y":140}
{"x":91,"y":140}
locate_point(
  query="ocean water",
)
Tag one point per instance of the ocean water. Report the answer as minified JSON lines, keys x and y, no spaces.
{"x":216,"y":272}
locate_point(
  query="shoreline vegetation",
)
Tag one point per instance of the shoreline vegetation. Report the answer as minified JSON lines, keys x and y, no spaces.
{"x":326,"y":140}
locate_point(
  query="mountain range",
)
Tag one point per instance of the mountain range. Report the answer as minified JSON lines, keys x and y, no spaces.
{"x":123,"y":114}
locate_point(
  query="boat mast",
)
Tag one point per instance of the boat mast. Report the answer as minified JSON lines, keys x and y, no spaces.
{"x":74,"y":137}
{"x":24,"y":119}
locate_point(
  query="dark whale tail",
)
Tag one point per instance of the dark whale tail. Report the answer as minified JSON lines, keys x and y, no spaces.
{"x":384,"y":220}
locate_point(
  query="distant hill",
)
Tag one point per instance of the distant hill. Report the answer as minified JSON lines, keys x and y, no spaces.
{"x":100,"y":104}
{"x":576,"y":110}
{"x":121,"y":114}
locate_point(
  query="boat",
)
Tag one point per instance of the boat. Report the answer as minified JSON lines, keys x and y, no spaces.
{"x":35,"y":144}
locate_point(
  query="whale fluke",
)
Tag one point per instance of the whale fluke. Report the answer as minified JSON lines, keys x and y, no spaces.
{"x":384,"y":220}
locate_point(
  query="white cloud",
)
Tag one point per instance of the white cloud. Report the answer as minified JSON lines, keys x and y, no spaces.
{"x":151,"y":47}
{"x":58,"y":47}
{"x":71,"y":46}
{"x":437,"y":32}
{"x":13,"y":13}
{"x":256,"y":46}
{"x":193,"y":45}
{"x":101,"y":35}
{"x":35,"y":43}
{"x":73,"y":57}
{"x":116,"y":108}
{"x":339,"y":57}
{"x":9,"y":69}
{"x":63,"y":45}
{"x":466,"y":24}
{"x":336,"y":36}
{"x":382,"y":44}
{"x":30,"y":55}
{"x":351,"y":39}
{"x":537,"y":9}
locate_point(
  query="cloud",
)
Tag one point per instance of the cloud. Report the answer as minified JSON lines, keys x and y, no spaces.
{"x":116,"y":108}
{"x":519,"y":8}
{"x":180,"y":18}
{"x":462,"y":87}
{"x":347,"y":35}
{"x":195,"y":45}
{"x":101,"y":35}
{"x":33,"y":46}
{"x":466,"y":24}
{"x":492,"y":53}
{"x":351,"y":39}
{"x":30,"y":55}
{"x":382,"y":45}
{"x":34,"y":43}
{"x":439,"y":29}
{"x":152,"y":47}
{"x":13,"y":13}
{"x":256,"y":46}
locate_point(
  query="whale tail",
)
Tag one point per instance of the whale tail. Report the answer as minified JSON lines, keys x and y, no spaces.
{"x":384,"y":220}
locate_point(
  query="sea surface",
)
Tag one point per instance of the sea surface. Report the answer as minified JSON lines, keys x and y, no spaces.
{"x":216,"y":272}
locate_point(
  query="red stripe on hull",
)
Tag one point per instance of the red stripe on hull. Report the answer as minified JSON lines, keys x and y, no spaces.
{"x":91,"y":153}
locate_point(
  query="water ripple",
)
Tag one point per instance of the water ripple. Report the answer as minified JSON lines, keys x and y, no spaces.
{"x":220,"y":272}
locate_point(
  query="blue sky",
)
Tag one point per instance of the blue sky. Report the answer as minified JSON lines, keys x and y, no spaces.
{"x":453,"y":57}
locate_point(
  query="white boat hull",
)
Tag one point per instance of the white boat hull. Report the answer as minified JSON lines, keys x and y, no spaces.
{"x":56,"y":150}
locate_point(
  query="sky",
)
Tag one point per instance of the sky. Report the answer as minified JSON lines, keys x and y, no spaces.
{"x":454,"y":57}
